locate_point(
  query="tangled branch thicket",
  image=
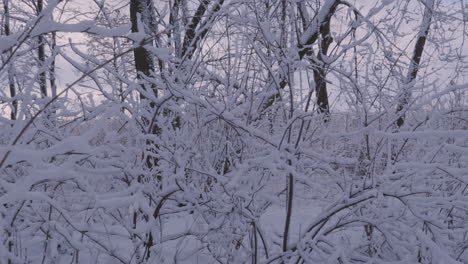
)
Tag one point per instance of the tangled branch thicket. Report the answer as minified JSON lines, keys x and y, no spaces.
{"x":234,"y":131}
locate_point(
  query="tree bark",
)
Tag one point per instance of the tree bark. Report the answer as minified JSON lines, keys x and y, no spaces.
{"x":414,"y":64}
{"x":142,"y":10}
{"x":52,"y":78}
{"x":41,"y":57}
{"x":197,"y":30}
{"x":320,"y":25}
{"x":311,"y":34}
{"x":11,"y":80}
{"x":190,"y":33}
{"x":320,"y":70}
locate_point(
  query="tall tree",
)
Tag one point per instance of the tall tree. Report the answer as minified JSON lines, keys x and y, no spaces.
{"x":320,"y":69}
{"x":52,"y":71}
{"x":313,"y":30}
{"x":142,"y":19}
{"x":408,"y":83}
{"x":198,"y":28}
{"x":11,"y":80}
{"x":41,"y":56}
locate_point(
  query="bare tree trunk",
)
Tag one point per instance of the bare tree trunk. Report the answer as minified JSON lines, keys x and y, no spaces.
{"x":289,"y":208}
{"x":319,"y":25}
{"x":197,"y":29}
{"x":313,"y":30}
{"x":142,"y":18}
{"x":320,"y":70}
{"x":189,"y":45}
{"x":290,"y":178}
{"x":174,"y":20}
{"x":142,"y":10}
{"x":41,"y":57}
{"x":415,"y":63}
{"x":323,"y":23}
{"x":11,"y":80}
{"x":53,"y":85}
